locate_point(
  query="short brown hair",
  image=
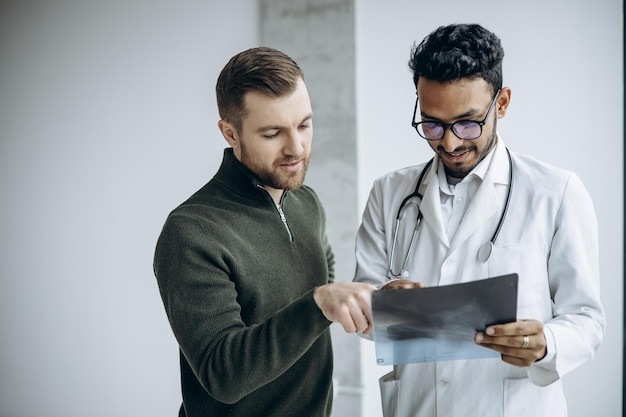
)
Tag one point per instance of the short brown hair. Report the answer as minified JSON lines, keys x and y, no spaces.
{"x":262,"y":69}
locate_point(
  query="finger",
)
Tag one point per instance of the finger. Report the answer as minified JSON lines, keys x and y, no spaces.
{"x":348,"y":324}
{"x":368,"y":329}
{"x":402,"y":284}
{"x":521,"y":357}
{"x":360,"y":321}
{"x":516,"y":328}
{"x":517,"y":361}
{"x":515,"y":355}
{"x":394,"y":285}
{"x":343,"y":316}
{"x":353,"y":319}
{"x":350,"y":327}
{"x":516,"y":342}
{"x":525,"y":342}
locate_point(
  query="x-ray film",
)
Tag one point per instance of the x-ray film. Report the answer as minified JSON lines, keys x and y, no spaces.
{"x":439,"y":323}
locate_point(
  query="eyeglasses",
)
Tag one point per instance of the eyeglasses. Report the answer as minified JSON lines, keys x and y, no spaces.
{"x":463,"y":129}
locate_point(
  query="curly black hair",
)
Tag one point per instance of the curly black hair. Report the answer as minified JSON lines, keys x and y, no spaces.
{"x":459,"y":51}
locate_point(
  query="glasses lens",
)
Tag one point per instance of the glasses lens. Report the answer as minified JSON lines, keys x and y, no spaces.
{"x":430,"y":130}
{"x":467,"y":129}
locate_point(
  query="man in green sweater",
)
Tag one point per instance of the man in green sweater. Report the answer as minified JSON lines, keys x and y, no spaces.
{"x":244,"y":266}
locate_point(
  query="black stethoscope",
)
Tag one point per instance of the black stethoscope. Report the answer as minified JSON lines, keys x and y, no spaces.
{"x":485,"y":250}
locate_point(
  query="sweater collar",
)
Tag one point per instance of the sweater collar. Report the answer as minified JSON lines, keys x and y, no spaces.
{"x":239,"y":178}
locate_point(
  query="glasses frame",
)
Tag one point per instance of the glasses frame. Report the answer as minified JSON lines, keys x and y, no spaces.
{"x":450,"y":126}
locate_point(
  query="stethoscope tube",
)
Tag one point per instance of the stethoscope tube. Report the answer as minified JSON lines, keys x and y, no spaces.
{"x":416,"y":193}
{"x":484,"y":252}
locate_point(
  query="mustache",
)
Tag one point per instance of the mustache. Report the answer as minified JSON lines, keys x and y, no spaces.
{"x":457,"y":150}
{"x":291,"y":160}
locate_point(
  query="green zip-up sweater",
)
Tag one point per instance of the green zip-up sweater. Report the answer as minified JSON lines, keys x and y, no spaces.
{"x":237,"y":275}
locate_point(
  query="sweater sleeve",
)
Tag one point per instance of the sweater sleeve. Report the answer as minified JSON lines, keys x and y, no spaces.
{"x":228,"y":357}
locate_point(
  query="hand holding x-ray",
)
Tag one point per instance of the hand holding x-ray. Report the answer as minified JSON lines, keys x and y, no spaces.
{"x":439,"y":323}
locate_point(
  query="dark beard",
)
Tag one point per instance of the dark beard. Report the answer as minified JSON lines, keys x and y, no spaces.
{"x":491,"y":143}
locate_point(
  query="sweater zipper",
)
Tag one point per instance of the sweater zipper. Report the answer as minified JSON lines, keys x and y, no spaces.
{"x":281,"y":213}
{"x":284,"y":219}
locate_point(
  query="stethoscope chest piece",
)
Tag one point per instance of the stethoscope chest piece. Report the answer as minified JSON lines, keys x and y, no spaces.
{"x":484,"y":253}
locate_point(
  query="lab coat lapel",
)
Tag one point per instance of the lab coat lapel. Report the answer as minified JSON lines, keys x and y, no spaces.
{"x":484,"y":206}
{"x":431,"y":205}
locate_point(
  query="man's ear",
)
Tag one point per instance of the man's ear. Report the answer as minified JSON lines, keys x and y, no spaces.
{"x":230,"y":133}
{"x":503,"y":101}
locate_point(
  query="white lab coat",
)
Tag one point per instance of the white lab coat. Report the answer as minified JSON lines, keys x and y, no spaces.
{"x":549,"y":238}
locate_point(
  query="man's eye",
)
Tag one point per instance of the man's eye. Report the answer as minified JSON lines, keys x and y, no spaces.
{"x":271,"y":136}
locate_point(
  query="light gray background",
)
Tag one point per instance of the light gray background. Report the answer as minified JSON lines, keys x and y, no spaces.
{"x":107,"y":121}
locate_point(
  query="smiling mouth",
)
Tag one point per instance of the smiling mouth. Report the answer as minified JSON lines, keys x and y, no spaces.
{"x":457,"y":153}
{"x":292,"y":165}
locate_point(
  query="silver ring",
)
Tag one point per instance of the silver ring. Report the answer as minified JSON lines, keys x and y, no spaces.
{"x":525,"y":343}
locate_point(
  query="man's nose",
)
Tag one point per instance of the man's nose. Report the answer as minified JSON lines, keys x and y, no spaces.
{"x":450,"y":141}
{"x":294,"y":143}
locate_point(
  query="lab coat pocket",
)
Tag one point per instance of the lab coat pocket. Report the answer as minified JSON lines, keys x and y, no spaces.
{"x":389,"y":394}
{"x":522,"y":399}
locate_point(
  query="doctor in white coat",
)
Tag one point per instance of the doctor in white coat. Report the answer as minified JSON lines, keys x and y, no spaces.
{"x":486,"y":211}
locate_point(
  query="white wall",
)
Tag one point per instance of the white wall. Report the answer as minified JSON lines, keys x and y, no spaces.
{"x":107,"y":121}
{"x":563,"y":61}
